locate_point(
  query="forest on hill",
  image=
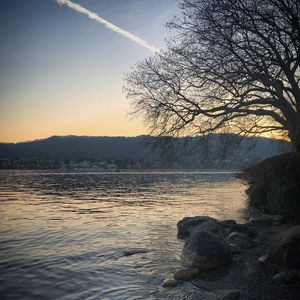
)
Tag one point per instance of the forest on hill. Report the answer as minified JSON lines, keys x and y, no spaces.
{"x":217,"y":151}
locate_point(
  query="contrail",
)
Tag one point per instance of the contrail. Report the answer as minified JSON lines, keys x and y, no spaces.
{"x":109,"y":25}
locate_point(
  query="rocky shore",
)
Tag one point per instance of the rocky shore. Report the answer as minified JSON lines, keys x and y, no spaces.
{"x":225,"y":260}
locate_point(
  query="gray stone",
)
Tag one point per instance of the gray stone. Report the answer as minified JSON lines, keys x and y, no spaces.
{"x":285,"y":248}
{"x":199,"y":223}
{"x":134,"y":251}
{"x":240,"y":240}
{"x":170,"y":283}
{"x":186,"y":273}
{"x":263,"y":259}
{"x":272,"y":220}
{"x":205,"y":251}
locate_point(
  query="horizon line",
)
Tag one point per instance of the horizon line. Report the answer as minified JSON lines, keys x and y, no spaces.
{"x":128,"y":136}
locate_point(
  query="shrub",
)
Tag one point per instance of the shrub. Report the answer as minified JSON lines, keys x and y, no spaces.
{"x":274,"y":186}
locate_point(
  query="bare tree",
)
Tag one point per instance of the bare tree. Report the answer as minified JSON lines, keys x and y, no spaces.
{"x":232,"y":66}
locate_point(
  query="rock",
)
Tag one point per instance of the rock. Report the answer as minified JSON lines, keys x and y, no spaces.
{"x":190,"y":224}
{"x":228,"y":223}
{"x":229,"y":295}
{"x":186,"y":274}
{"x":240,"y":240}
{"x":134,"y":251}
{"x":235,"y":249}
{"x":204,"y":250}
{"x":243,"y":229}
{"x":285,"y":277}
{"x":285,"y":248}
{"x":263,"y":259}
{"x":170,"y":283}
{"x":272,"y":220}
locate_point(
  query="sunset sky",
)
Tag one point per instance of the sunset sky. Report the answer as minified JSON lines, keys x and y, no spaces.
{"x":62,"y":72}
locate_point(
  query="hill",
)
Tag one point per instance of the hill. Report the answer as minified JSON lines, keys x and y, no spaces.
{"x":220,"y":150}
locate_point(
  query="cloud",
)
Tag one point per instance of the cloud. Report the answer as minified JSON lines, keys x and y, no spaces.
{"x":107,"y":24}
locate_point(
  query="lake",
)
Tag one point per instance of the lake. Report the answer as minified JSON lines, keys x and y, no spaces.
{"x":89,"y":235}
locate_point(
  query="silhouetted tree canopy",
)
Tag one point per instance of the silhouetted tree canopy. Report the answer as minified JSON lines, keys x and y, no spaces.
{"x":232,"y":66}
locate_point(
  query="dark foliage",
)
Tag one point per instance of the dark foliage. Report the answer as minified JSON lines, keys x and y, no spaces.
{"x":274,"y":186}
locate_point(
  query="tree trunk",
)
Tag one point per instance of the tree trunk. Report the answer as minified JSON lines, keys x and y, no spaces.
{"x":295,"y":137}
{"x":297,"y":140}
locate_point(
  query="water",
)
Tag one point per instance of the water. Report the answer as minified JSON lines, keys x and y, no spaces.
{"x":71,"y":235}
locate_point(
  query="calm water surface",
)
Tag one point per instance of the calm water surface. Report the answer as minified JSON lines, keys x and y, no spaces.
{"x":68,"y":235}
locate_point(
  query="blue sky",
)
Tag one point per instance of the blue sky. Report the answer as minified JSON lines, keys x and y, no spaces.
{"x":62,"y":73}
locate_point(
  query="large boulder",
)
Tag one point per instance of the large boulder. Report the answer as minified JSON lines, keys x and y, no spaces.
{"x":285,"y":249}
{"x":199,"y":223}
{"x":204,"y":250}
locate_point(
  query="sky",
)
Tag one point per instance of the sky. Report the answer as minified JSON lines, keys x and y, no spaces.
{"x":62,"y":70}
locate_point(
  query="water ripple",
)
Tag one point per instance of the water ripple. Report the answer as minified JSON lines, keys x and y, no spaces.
{"x":100,"y":235}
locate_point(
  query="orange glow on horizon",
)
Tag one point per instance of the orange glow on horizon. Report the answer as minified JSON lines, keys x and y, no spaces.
{"x":15,"y":136}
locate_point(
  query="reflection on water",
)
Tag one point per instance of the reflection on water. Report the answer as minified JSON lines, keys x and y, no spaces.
{"x":100,"y":235}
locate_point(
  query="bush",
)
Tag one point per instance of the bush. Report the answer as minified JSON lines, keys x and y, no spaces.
{"x":274,"y":186}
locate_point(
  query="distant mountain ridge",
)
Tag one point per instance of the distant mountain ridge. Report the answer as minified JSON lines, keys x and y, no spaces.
{"x":78,"y":147}
{"x":137,"y":148}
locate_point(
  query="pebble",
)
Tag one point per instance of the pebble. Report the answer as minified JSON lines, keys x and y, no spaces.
{"x":170,"y":283}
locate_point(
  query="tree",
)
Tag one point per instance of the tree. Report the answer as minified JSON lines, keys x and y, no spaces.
{"x":232,"y":66}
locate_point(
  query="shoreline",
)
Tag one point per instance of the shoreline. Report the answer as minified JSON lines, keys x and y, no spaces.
{"x":247,"y":277}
